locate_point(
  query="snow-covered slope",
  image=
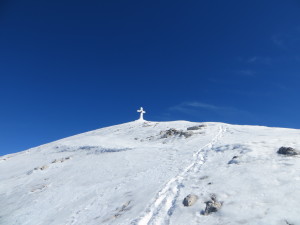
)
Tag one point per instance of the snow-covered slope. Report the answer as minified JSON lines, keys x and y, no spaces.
{"x":138,"y":173}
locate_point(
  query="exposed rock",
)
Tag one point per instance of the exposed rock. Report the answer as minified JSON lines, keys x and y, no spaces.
{"x":55,"y":161}
{"x":147,"y":124}
{"x":38,"y":168}
{"x":61,"y":160}
{"x":212,"y":205}
{"x":119,"y":211}
{"x":44,"y":167}
{"x":234,"y":160}
{"x":190,"y":200}
{"x":288,"y":223}
{"x":29,"y":172}
{"x":125,"y":207}
{"x":288,"y":151}
{"x":203,"y":177}
{"x":174,"y":132}
{"x":198,"y":127}
{"x":150,"y":138}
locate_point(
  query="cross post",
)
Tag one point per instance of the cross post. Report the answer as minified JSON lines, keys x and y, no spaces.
{"x":141,"y":111}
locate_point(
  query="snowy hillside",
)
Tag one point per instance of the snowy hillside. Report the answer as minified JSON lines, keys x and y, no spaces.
{"x":139,"y":173}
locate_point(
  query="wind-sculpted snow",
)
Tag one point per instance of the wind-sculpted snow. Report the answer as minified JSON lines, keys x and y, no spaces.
{"x":129,"y":175}
{"x":90,"y":149}
{"x":233,"y":147}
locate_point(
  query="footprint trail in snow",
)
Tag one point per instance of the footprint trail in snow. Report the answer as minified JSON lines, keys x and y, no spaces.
{"x":161,"y":210}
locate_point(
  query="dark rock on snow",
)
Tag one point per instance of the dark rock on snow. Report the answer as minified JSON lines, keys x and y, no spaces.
{"x":288,"y":151}
{"x":203,"y":177}
{"x":288,"y":223}
{"x":190,"y":200}
{"x":234,"y":160}
{"x":174,"y":132}
{"x":198,"y":127}
{"x":212,"y":205}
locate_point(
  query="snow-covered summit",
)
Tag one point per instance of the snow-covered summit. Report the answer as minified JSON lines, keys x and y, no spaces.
{"x":140,"y":172}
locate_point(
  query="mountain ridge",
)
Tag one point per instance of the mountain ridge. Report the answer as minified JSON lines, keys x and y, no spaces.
{"x":139,"y":173}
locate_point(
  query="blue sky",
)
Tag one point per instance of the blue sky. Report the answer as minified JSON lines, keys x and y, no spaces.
{"x":67,"y":67}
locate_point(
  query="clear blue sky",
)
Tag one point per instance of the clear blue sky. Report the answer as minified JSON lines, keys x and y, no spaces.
{"x":67,"y":67}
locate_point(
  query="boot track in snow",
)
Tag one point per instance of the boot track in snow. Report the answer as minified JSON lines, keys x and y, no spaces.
{"x":161,"y":209}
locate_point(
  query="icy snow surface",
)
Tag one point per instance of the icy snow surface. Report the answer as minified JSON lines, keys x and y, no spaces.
{"x":138,"y":173}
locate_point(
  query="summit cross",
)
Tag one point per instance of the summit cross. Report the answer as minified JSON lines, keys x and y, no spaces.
{"x":141,"y":111}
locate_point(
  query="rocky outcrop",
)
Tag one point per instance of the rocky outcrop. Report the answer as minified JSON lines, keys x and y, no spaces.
{"x":198,"y":127}
{"x":173,"y":132}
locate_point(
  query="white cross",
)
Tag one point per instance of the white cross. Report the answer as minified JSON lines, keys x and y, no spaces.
{"x":141,"y":111}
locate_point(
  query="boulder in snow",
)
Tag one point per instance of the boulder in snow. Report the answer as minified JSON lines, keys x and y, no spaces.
{"x":190,"y":200}
{"x":288,"y":151}
{"x":212,"y":205}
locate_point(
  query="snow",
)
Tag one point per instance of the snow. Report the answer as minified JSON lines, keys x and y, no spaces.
{"x":134,"y":174}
